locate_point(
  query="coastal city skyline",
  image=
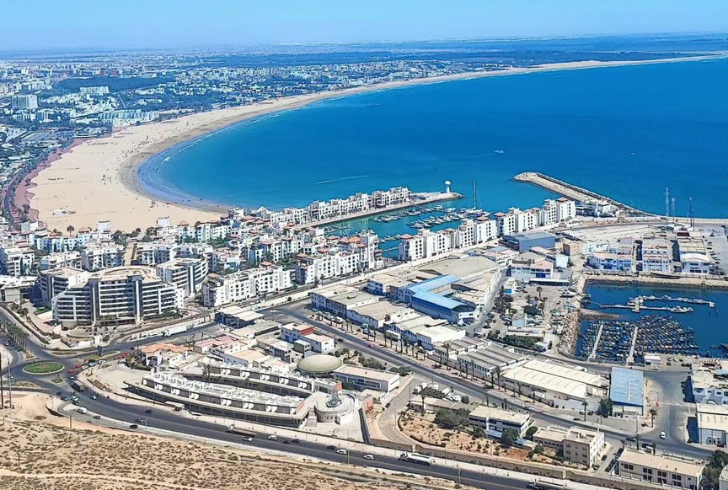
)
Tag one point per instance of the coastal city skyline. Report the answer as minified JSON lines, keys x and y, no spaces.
{"x":241,"y":248}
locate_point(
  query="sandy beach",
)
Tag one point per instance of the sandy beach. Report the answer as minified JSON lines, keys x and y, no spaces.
{"x":96,"y":180}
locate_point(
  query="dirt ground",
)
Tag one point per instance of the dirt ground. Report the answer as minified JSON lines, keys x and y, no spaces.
{"x":39,"y":452}
{"x":424,"y":429}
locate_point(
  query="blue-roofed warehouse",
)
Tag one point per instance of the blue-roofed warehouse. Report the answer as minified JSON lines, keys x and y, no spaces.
{"x":431,"y":298}
{"x":628,"y":390}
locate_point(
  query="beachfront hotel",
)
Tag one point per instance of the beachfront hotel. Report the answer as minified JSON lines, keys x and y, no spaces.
{"x":121,"y":295}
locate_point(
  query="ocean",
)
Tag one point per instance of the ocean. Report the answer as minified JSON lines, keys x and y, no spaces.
{"x":627,"y":132}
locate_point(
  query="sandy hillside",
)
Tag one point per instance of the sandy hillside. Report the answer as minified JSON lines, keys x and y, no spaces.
{"x":40,"y":453}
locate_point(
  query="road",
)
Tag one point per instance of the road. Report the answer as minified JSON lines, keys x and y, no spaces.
{"x":476,"y":391}
{"x":168,"y":421}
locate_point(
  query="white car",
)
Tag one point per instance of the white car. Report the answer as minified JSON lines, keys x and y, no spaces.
{"x":272,"y":437}
{"x":369,"y":457}
{"x":342,"y":451}
{"x":663,"y":435}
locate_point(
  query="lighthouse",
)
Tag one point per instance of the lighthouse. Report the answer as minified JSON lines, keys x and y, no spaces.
{"x":447,"y":187}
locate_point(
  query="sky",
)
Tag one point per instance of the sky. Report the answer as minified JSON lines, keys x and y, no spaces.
{"x":45,"y":24}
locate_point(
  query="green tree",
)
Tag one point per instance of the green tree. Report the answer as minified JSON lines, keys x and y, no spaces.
{"x":605,"y":407}
{"x":451,"y":419}
{"x":509,"y":437}
{"x":530,"y":432}
{"x":584,"y":404}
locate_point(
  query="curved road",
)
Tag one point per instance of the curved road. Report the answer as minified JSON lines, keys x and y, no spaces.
{"x":168,"y":421}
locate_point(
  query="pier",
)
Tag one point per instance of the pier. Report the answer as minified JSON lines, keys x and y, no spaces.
{"x":573,"y":192}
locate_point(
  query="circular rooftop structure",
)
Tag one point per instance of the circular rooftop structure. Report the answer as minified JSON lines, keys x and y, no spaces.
{"x":319,"y":364}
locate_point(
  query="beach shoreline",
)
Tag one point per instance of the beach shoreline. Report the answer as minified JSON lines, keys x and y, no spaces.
{"x":99,"y":179}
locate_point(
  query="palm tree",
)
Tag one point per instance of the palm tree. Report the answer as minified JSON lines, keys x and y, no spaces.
{"x":653,"y":414}
{"x":70,"y":229}
{"x":584,"y":404}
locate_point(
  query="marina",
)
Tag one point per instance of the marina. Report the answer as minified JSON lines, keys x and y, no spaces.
{"x":622,"y":342}
{"x":687,"y":322}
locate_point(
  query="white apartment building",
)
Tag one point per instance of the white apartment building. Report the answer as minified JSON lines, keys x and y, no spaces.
{"x":186,"y":274}
{"x":117,"y":296}
{"x":16,"y":261}
{"x":424,"y":244}
{"x":60,"y":259}
{"x":663,"y":470}
{"x":352,"y":255}
{"x":96,"y":256}
{"x":273,"y":249}
{"x":239,"y":286}
{"x":53,"y":282}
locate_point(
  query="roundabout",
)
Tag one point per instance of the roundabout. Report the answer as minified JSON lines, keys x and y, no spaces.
{"x":42,"y":368}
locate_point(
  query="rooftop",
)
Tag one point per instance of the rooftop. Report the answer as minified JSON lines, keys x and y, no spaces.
{"x":483,"y":412}
{"x":714,"y":417}
{"x":628,"y":387}
{"x":366,"y":373}
{"x":319,"y":364}
{"x":662,"y":462}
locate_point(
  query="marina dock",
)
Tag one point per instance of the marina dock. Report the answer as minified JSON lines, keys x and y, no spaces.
{"x":419,"y":199}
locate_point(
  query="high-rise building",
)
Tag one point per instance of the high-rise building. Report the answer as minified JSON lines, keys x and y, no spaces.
{"x":25,"y":102}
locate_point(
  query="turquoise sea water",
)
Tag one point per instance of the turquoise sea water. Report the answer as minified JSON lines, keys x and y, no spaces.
{"x":627,"y":132}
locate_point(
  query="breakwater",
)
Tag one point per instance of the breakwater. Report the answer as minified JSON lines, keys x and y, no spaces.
{"x":574,"y":192}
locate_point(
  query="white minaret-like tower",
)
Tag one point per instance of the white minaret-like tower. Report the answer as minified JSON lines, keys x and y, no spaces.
{"x":447,"y":187}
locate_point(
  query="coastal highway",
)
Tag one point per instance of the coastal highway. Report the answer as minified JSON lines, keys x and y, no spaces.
{"x":162,"y":418}
{"x":476,"y":391}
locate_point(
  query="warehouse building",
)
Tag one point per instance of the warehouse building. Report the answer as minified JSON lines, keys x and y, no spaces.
{"x":523,"y":242}
{"x":712,"y":421}
{"x":627,"y":391}
{"x":341,"y":301}
{"x":556,"y":384}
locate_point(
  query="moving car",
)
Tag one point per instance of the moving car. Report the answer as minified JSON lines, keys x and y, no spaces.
{"x":663,"y":435}
{"x":369,"y":457}
{"x":272,"y":437}
{"x":342,"y":451}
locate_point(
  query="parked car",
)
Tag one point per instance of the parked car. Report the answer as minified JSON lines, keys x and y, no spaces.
{"x":133,"y":426}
